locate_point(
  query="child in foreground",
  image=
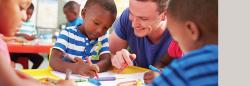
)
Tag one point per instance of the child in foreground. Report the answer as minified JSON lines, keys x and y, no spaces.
{"x":194,"y":25}
{"x":13,"y":14}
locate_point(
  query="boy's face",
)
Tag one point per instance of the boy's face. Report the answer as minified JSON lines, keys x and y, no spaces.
{"x":96,"y":21}
{"x":70,"y":16}
{"x":29,"y":13}
{"x":181,"y":33}
{"x":13,"y":13}
{"x":144,"y":17}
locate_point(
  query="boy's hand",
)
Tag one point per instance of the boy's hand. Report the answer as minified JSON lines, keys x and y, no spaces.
{"x":85,"y":69}
{"x":149,"y":76}
{"x":19,"y":40}
{"x":78,"y":60}
{"x":28,"y":37}
{"x":66,"y":83}
{"x":122,"y":57}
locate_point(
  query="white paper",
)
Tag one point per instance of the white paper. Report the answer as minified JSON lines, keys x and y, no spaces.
{"x":120,"y":78}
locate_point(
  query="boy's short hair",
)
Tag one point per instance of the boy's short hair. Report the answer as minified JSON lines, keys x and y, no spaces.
{"x":204,"y":13}
{"x":161,"y":4}
{"x":72,"y":6}
{"x":31,"y":6}
{"x":108,"y":5}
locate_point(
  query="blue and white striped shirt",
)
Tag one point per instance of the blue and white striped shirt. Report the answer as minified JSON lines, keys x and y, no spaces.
{"x":197,"y":68}
{"x":28,"y":28}
{"x":76,"y":44}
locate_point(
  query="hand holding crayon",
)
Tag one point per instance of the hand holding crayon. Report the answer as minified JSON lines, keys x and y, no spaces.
{"x":151,"y":67}
{"x":126,"y":64}
{"x":90,"y":63}
{"x":122,"y":59}
{"x":85,"y":69}
{"x":149,"y":76}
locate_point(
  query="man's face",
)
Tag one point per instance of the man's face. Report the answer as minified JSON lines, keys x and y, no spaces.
{"x":144,"y":16}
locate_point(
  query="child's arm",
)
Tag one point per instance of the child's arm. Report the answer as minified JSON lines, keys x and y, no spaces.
{"x":15,"y":39}
{"x":7,"y":74}
{"x":9,"y":77}
{"x":66,"y":83}
{"x":26,"y":36}
{"x":57,"y":63}
{"x":38,"y":83}
{"x":173,"y":52}
{"x":105,"y":62}
{"x":163,"y":61}
{"x":148,"y":77}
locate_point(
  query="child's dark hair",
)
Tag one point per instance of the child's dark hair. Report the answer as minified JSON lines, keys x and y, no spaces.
{"x":31,"y":6}
{"x":204,"y":13}
{"x":161,"y":4}
{"x":108,"y":5}
{"x":72,"y":6}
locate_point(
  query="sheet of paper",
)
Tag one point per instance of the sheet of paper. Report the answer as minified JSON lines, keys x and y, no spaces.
{"x":129,"y":74}
{"x":119,"y":78}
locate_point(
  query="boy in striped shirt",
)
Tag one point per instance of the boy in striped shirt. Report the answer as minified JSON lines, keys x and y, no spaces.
{"x":194,"y":25}
{"x":87,"y":40}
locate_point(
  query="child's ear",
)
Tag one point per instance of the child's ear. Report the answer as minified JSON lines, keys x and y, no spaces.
{"x":193,"y":30}
{"x":164,"y":16}
{"x":83,"y":13}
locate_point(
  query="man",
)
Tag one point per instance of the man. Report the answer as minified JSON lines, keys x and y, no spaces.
{"x":142,"y":27}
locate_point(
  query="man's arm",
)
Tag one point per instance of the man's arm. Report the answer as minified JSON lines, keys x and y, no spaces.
{"x":116,"y":43}
{"x":119,"y":53}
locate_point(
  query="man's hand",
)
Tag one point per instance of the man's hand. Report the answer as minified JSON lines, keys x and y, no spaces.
{"x":122,"y":57}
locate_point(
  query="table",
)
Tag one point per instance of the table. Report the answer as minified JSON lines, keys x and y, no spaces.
{"x":20,"y":48}
{"x":27,"y":48}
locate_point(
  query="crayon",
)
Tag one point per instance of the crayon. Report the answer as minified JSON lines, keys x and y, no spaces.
{"x":90,"y":63}
{"x":151,"y":67}
{"x":124,"y":66}
{"x":106,"y":79}
{"x":128,"y":83}
{"x":94,"y":81}
{"x":68,"y":73}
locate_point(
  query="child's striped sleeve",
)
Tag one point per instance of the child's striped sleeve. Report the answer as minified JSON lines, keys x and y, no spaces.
{"x":62,"y":41}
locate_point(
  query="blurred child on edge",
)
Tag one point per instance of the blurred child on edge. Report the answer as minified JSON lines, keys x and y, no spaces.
{"x":13,"y":14}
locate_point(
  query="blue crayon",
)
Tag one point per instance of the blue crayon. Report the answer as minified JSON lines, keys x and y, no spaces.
{"x":106,"y":78}
{"x":154,"y":69}
{"x":94,"y":81}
